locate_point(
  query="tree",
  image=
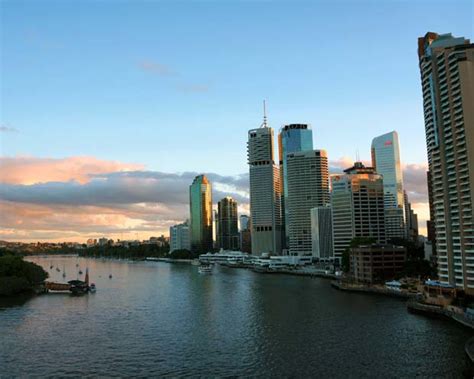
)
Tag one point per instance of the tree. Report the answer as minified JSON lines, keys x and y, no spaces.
{"x":17,"y":275}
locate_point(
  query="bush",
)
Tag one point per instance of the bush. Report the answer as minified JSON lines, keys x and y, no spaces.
{"x":16,"y":275}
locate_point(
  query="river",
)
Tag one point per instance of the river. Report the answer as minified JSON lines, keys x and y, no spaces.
{"x":160,"y":319}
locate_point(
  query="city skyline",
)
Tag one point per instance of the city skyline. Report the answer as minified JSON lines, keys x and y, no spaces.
{"x":73,"y":167}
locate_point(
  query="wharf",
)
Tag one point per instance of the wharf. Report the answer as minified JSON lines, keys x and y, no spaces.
{"x":452,"y":313}
{"x":169,"y":260}
{"x":371,"y":290}
{"x":469,"y":348}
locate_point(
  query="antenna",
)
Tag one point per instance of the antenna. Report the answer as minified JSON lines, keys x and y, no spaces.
{"x":357,"y":156}
{"x":264,"y":125}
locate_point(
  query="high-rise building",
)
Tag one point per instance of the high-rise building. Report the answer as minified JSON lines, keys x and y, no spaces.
{"x":179,"y":237}
{"x":200,"y":201}
{"x":308,"y":187}
{"x":447,"y":79}
{"x":430,"y":228}
{"x":411,"y":220}
{"x":244,"y":222}
{"x":386,"y":161}
{"x":291,"y":139}
{"x":265,"y":192}
{"x":228,"y":231}
{"x":245,"y":234}
{"x":357,"y":202}
{"x":321,"y":232}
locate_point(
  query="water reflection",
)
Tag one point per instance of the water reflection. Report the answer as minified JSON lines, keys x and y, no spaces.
{"x":157,"y":319}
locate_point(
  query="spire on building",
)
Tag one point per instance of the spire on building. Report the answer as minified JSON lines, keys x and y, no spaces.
{"x":264,"y":124}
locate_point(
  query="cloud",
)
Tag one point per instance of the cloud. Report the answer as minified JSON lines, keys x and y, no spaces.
{"x":7,"y":129}
{"x":29,"y":170}
{"x":157,"y":68}
{"x":83,"y":197}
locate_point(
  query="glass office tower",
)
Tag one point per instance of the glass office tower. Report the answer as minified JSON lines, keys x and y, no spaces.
{"x":200,"y":202}
{"x":386,"y":161}
{"x":292,"y":138}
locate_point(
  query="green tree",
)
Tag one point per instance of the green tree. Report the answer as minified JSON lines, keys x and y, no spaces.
{"x":17,"y":275}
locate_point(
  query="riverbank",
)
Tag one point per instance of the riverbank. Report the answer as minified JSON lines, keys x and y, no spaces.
{"x":451,"y":313}
{"x":339,"y":285}
{"x":169,"y":260}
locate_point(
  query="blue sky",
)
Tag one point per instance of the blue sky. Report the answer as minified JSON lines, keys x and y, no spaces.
{"x":90,"y":89}
{"x":176,"y":86}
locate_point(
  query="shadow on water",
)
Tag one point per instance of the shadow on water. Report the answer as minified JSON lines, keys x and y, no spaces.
{"x":15,"y":301}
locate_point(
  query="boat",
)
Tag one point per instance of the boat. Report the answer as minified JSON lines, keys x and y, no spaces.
{"x":80,"y":272}
{"x":64,"y":272}
{"x":92,"y":288}
{"x":57,"y":269}
{"x":205,"y":269}
{"x":195,"y":262}
{"x":110,"y":276}
{"x":51,"y":266}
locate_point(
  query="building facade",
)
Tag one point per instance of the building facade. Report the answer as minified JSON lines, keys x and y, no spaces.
{"x":292,"y":138}
{"x":321,"y":232}
{"x":386,"y":161}
{"x":376,"y":263}
{"x":308,"y":187}
{"x":357,"y":202}
{"x":447,"y":79}
{"x":200,"y":201}
{"x":265,"y":192}
{"x":228,"y":231}
{"x":180,"y":237}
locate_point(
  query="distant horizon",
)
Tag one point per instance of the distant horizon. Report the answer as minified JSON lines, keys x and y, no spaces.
{"x":110,"y":110}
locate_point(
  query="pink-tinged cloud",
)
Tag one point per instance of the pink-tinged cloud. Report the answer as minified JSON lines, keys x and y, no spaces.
{"x":30,"y":170}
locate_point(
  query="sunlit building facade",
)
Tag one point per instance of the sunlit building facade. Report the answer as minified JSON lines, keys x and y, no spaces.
{"x":292,"y":138}
{"x":447,"y":80}
{"x":200,"y":200}
{"x":308,"y":187}
{"x":265,"y":192}
{"x":357,"y":202}
{"x":386,"y":161}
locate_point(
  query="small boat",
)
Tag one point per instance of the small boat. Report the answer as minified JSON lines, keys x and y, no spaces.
{"x":57,"y":269}
{"x":205,"y":269}
{"x":195,"y":262}
{"x":64,"y":272}
{"x":110,"y":276}
{"x":80,"y":272}
{"x":92,"y":288}
{"x":51,"y":266}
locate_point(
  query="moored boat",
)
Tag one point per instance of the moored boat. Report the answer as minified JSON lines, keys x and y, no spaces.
{"x":205,"y":269}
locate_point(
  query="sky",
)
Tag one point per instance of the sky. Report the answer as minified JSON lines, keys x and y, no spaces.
{"x":109,"y":108}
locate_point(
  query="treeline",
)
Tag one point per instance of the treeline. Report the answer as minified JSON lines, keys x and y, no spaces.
{"x":131,"y":252}
{"x":17,"y":275}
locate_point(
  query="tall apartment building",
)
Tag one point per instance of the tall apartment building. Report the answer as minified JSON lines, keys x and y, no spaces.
{"x":308,"y":187}
{"x":357,"y":202}
{"x":386,"y":161}
{"x":321,"y":232}
{"x":292,"y":138}
{"x":447,"y":79}
{"x":200,"y":202}
{"x":244,"y":222}
{"x":228,"y":231}
{"x":265,"y":192}
{"x":180,"y":237}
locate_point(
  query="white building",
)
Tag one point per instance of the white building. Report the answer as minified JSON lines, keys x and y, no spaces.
{"x":321,"y":232}
{"x":308,"y":187}
{"x":180,"y":237}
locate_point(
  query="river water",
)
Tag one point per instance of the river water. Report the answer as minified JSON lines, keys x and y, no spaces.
{"x":160,"y":319}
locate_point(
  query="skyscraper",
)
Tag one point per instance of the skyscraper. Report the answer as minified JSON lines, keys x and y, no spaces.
{"x":386,"y":161}
{"x":200,"y":201}
{"x":291,"y":139}
{"x":357,"y":201}
{"x":228,"y":231}
{"x":265,"y":193}
{"x":244,"y":222}
{"x":308,"y":187}
{"x":447,"y":79}
{"x":411,"y":220}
